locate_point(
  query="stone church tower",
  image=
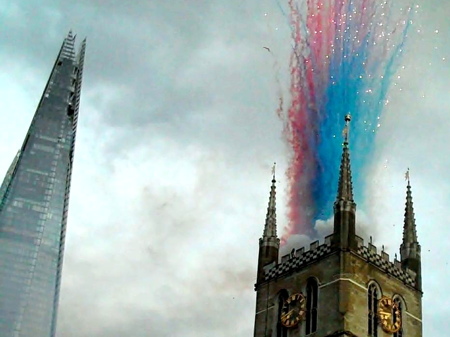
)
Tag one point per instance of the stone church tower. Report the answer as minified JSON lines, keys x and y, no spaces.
{"x":341,"y":287}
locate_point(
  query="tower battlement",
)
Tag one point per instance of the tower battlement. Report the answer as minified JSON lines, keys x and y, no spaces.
{"x":299,"y":258}
{"x":312,"y":247}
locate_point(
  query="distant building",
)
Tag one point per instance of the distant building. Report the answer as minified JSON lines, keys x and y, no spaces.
{"x":341,"y":287}
{"x":34,"y":201}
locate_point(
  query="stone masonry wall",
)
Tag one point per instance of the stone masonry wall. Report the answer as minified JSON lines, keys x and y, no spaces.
{"x":343,"y":279}
{"x":361,"y":274}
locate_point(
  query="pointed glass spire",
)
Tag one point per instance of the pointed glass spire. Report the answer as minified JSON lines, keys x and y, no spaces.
{"x":34,"y":201}
{"x":345,"y":187}
{"x":270,"y":227}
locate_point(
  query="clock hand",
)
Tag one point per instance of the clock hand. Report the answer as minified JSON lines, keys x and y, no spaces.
{"x":287,"y":314}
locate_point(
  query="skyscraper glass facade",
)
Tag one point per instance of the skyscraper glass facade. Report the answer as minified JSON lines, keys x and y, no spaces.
{"x":34,"y":199}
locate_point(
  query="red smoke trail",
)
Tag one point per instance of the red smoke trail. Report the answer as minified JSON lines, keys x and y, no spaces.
{"x":296,"y":132}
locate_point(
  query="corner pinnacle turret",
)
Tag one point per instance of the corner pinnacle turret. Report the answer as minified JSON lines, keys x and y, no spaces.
{"x":269,"y":244}
{"x":270,"y":227}
{"x":409,"y":228}
{"x":344,"y":206}
{"x":410,"y":247}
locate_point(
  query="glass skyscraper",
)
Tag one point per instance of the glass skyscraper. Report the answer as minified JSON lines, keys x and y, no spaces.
{"x":34,"y":200}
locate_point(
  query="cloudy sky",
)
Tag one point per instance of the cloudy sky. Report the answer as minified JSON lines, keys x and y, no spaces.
{"x":176,"y":138}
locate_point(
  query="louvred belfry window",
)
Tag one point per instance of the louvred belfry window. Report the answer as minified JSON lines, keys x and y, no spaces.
{"x":281,"y":329}
{"x":372,"y":303}
{"x":397,"y":301}
{"x":312,"y":289}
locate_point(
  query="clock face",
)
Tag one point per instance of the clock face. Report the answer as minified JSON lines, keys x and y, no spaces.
{"x":389,"y":315}
{"x":293,"y":310}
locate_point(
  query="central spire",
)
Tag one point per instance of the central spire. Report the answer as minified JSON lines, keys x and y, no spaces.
{"x":345,"y":187}
{"x":344,"y":236}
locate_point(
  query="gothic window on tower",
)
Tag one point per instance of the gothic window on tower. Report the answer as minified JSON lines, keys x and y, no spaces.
{"x":399,"y":303}
{"x":372,"y":303}
{"x":281,"y":329}
{"x":312,"y":289}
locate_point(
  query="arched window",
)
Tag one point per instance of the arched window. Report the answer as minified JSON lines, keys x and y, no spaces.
{"x":372,"y":304}
{"x":312,"y":289}
{"x":398,"y":301}
{"x":281,"y":329}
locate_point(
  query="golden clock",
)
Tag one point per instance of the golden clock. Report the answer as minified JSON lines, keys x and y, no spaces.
{"x":293,"y":310}
{"x":389,"y":315}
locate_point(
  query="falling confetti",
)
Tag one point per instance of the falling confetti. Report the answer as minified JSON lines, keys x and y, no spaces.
{"x":344,"y":55}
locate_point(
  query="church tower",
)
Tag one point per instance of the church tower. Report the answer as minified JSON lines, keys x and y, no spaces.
{"x":341,"y":287}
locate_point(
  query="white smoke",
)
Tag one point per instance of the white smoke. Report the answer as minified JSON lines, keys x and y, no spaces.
{"x":295,"y":241}
{"x":324,"y":227}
